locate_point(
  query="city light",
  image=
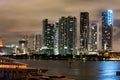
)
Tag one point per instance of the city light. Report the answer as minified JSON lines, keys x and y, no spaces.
{"x":110,"y":17}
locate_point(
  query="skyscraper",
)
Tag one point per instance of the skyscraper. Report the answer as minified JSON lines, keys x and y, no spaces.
{"x":84,"y":31}
{"x":107,"y":24}
{"x":37,"y":41}
{"x":48,"y":37}
{"x":94,"y":37}
{"x":67,"y":35}
{"x":56,"y":51}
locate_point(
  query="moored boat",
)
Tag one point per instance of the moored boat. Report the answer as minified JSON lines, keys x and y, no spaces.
{"x":15,"y":70}
{"x":11,"y":70}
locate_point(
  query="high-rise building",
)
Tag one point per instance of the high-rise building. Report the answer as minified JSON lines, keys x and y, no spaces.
{"x":107,"y":24}
{"x":48,"y":38}
{"x":94,"y":37}
{"x":84,"y":31}
{"x":37,"y":42}
{"x":23,"y":44}
{"x":56,"y":51}
{"x":67,"y":35}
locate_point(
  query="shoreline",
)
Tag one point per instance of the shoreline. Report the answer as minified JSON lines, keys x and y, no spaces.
{"x":69,"y":57}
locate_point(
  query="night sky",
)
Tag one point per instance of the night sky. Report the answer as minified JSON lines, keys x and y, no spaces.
{"x":18,"y":17}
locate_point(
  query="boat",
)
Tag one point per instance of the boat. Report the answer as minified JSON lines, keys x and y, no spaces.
{"x":16,"y":70}
{"x":12,"y":70}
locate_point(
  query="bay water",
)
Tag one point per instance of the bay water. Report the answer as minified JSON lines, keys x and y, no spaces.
{"x":78,"y":70}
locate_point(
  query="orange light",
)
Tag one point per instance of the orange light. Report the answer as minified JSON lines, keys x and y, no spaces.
{"x":13,"y":66}
{"x":1,"y":43}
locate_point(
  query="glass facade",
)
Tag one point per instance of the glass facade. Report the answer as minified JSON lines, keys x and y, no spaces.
{"x":67,"y":35}
{"x":37,"y":41}
{"x":84,"y":31}
{"x":48,"y":38}
{"x":107,"y":24}
{"x":56,"y":51}
{"x":94,"y":37}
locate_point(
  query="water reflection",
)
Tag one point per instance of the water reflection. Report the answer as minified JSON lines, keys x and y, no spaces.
{"x":89,"y":70}
{"x":108,"y":70}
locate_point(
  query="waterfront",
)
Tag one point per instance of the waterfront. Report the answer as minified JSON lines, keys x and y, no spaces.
{"x":79,"y":70}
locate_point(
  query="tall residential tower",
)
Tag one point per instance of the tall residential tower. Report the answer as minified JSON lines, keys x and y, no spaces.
{"x":67,"y":35}
{"x":94,"y":37}
{"x":107,"y":24}
{"x":48,"y":38}
{"x":84,"y":31}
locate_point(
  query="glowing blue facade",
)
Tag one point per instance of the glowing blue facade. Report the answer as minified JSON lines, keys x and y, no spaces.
{"x":109,"y":17}
{"x":107,"y":24}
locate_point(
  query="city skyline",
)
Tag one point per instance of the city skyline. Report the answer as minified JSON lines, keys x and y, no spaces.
{"x":26,"y":17}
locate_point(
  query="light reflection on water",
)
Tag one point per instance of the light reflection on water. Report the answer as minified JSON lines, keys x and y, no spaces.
{"x":108,"y":70}
{"x":89,"y":70}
